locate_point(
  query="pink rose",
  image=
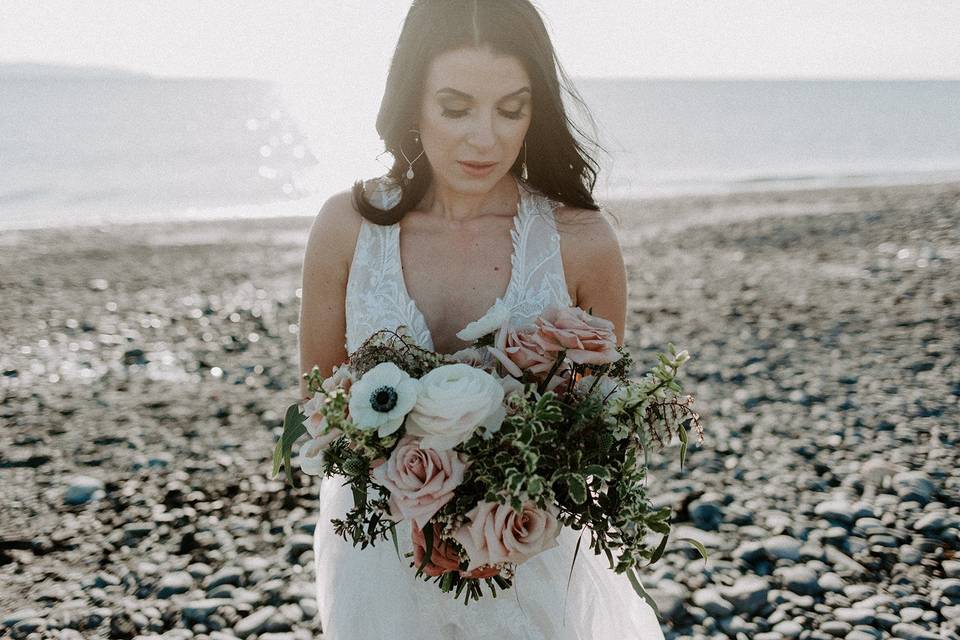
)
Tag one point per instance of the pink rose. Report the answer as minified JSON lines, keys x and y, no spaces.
{"x":587,"y":339}
{"x":518,"y":351}
{"x":443,"y":557}
{"x":496,"y":533}
{"x":420,"y":480}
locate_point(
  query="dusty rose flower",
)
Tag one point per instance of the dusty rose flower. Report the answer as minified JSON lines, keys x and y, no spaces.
{"x":315,"y":421}
{"x":496,"y":533}
{"x":518,"y":351}
{"x":443,"y":557}
{"x":587,"y":339}
{"x":420,"y":480}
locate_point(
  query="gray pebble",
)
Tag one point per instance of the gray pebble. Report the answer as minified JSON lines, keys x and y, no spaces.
{"x":951,"y":568}
{"x":909,"y":631}
{"x":226,"y":575}
{"x":910,"y":555}
{"x":799,"y":579}
{"x":855,"y":615}
{"x":789,"y":628}
{"x":783,"y":547}
{"x":197,"y":611}
{"x":83,"y":489}
{"x":748,"y":594}
{"x":831,"y":582}
{"x":710,"y":600}
{"x":913,"y":485}
{"x":911,"y":614}
{"x":255,"y":622}
{"x":174,"y":583}
{"x":749,"y":552}
{"x":931,"y":522}
{"x":705,"y":513}
{"x":836,"y":510}
{"x":836,"y":628}
{"x":950,"y":587}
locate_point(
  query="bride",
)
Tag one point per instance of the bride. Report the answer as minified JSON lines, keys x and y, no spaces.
{"x":493,"y":195}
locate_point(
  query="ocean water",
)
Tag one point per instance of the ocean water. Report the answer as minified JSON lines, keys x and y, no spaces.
{"x":667,"y":137}
{"x":95,"y":146}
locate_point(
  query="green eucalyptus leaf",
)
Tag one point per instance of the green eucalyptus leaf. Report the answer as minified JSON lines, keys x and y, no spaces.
{"x":578,"y":488}
{"x":596,"y":471}
{"x":396,"y":545}
{"x":658,"y":552}
{"x":682,"y":432}
{"x":699,"y":547}
{"x":293,"y":428}
{"x":638,"y":588}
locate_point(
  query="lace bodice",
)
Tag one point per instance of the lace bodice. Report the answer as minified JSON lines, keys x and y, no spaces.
{"x":377,"y":297}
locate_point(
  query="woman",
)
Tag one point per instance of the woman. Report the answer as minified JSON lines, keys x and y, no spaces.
{"x":486,"y":175}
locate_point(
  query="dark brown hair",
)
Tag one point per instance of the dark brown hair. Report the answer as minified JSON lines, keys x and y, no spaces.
{"x":558,"y":164}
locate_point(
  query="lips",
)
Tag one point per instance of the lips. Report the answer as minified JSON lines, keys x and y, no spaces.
{"x":477,"y":165}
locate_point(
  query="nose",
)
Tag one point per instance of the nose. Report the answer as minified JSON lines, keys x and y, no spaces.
{"x":483,"y":136}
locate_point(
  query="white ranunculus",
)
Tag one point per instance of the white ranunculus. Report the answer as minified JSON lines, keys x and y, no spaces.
{"x":490,"y":322}
{"x":453,"y":401}
{"x":382,"y":398}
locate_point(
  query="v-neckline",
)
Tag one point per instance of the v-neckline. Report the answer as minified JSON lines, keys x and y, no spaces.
{"x":514,"y":266}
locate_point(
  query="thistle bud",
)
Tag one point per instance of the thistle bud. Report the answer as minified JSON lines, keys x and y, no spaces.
{"x":355,"y":466}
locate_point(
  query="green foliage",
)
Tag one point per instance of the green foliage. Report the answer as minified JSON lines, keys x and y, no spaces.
{"x":578,"y":452}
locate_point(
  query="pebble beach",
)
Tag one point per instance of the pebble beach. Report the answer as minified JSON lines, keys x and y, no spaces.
{"x":144,"y":370}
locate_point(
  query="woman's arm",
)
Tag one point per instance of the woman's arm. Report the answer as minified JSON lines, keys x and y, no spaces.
{"x":596,"y":260}
{"x":326,"y":266}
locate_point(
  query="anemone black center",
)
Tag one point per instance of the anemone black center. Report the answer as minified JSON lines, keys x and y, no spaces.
{"x":383,"y":399}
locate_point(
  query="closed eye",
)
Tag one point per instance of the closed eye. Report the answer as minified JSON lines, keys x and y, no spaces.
{"x":459,"y":113}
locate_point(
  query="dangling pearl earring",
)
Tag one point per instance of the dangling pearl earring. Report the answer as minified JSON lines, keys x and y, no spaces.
{"x":416,"y":138}
{"x":523,"y":165}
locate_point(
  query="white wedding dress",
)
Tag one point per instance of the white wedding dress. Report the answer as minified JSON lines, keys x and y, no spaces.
{"x":370,"y":594}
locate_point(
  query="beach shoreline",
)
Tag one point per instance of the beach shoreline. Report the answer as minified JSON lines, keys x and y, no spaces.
{"x":144,"y":367}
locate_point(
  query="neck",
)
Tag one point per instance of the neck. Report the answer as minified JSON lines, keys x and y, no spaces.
{"x":456,"y":207}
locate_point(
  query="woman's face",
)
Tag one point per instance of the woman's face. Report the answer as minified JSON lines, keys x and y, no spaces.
{"x":476,"y":109}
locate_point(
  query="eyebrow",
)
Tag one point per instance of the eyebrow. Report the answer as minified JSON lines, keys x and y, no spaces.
{"x":461,"y":94}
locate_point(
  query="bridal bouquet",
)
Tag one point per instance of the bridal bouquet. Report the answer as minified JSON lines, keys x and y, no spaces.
{"x":488,"y":452}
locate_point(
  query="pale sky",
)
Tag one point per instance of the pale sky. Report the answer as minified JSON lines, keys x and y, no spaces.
{"x":331,"y":56}
{"x":324,"y":40}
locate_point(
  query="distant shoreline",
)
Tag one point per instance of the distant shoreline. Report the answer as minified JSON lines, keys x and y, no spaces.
{"x":641,"y":217}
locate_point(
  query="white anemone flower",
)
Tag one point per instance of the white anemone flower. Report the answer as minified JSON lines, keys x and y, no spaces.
{"x":382,"y":398}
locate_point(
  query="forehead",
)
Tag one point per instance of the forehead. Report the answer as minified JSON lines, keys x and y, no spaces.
{"x":477,"y":71}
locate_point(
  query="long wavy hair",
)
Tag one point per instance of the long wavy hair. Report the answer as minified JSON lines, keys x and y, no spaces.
{"x":558,"y":163}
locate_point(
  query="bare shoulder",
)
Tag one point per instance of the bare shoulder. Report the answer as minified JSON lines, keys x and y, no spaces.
{"x":590,"y":247}
{"x":333,"y":235}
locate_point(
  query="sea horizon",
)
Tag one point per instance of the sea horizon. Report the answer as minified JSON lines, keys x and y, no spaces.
{"x":95,"y":146}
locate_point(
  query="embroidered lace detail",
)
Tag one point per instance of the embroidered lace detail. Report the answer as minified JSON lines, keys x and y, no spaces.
{"x":377,"y":297}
